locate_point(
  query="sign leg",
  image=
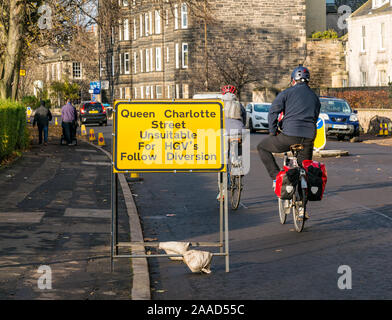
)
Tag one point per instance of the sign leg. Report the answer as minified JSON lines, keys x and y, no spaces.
{"x":226,"y":202}
{"x":221,"y":208}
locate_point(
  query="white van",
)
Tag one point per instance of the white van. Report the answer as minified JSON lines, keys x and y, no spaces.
{"x":257,"y":115}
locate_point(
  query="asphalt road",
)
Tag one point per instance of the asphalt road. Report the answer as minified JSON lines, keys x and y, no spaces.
{"x":350,"y":227}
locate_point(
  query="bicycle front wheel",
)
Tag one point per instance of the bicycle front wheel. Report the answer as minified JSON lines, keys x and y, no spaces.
{"x":236,"y":189}
{"x":299,"y":209}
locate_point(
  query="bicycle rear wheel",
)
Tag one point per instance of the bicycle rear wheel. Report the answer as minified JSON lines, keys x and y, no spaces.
{"x":299,"y":201}
{"x":235,"y":188}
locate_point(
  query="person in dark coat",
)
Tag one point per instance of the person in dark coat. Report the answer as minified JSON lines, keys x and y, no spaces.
{"x":42,"y":116}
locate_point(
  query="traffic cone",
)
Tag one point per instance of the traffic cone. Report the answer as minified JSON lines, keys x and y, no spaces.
{"x":381,"y":132}
{"x":135,"y":177}
{"x":385,"y":129}
{"x":101,"y":140}
{"x":91,"y":135}
{"x":83,"y":130}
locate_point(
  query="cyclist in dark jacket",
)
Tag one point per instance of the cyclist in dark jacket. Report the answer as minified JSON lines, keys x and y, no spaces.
{"x":301,"y":108}
{"x":42,"y":116}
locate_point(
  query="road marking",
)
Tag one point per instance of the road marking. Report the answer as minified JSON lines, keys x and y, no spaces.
{"x":87,"y":213}
{"x":21,"y":217}
{"x":96,"y":163}
{"x":241,"y":204}
{"x":86,"y":150}
{"x":366,"y":208}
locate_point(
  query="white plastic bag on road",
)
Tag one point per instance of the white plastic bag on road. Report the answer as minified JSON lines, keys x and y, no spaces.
{"x":198,"y":261}
{"x":173,"y":247}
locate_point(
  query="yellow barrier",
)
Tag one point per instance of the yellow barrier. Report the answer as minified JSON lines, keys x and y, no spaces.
{"x":56,"y":123}
{"x":83,"y":130}
{"x":91,"y":135}
{"x":385,"y":129}
{"x":101,"y":140}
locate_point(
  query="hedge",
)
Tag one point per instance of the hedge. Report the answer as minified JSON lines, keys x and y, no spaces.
{"x":13,"y":130}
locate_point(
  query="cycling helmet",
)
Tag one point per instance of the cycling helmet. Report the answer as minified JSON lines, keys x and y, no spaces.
{"x":301,"y":73}
{"x":229,"y":89}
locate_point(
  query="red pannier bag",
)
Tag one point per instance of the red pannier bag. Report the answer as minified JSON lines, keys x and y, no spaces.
{"x":317,"y":179}
{"x":286,"y":181}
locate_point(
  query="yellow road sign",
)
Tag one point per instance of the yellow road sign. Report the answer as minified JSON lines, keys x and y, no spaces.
{"x":161,"y":136}
{"x":321,"y":139}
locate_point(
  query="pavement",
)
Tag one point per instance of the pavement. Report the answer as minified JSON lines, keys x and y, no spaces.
{"x":55,"y":212}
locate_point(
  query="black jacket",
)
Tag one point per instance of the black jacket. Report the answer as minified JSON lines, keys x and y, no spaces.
{"x":301,"y":108}
{"x":42,"y":116}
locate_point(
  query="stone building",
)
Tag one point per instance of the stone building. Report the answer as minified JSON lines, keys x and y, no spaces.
{"x":69,"y":63}
{"x":369,"y":47}
{"x":160,"y":48}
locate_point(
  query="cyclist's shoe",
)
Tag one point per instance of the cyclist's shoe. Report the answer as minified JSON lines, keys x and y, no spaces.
{"x":301,"y":214}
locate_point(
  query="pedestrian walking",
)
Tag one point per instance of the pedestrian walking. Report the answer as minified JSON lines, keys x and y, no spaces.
{"x":42,"y":116}
{"x":68,"y":121}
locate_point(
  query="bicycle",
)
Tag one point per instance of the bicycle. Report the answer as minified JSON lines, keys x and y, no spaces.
{"x":234,"y":172}
{"x":299,"y":201}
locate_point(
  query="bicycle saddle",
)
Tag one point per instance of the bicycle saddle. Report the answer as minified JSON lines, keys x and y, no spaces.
{"x":296,"y":147}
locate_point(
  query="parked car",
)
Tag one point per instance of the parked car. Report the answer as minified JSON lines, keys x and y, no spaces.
{"x":340,"y":120}
{"x":93,"y":112}
{"x":257,"y":115}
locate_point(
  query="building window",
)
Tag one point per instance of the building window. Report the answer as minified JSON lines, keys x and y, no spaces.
{"x":158,"y":59}
{"x":135,"y":62}
{"x":184,"y":16}
{"x":382,"y":78}
{"x":147,"y":92}
{"x":363,"y":79}
{"x":158,"y":92}
{"x":147,"y":60}
{"x":175,"y":17}
{"x":344,"y":83}
{"x":151,"y":60}
{"x":119,"y":30}
{"x":382,"y":36}
{"x":53,"y":73}
{"x":177,"y":91}
{"x":168,"y":91}
{"x":152,"y":92}
{"x":167,"y":17}
{"x":185,"y":91}
{"x":112,"y":35}
{"x":121,"y":93}
{"x":141,"y":25}
{"x":135,"y":93}
{"x":177,"y":56}
{"x":157,"y":22}
{"x":134,"y":29}
{"x":146,"y":24}
{"x":120,"y":62}
{"x":150,"y":20}
{"x":363,"y":41}
{"x":126,"y":63}
{"x":141,"y":60}
{"x":142,"y":92}
{"x":58,"y":72}
{"x":126,"y":30}
{"x":125,"y":3}
{"x":185,"y":55}
{"x":112,"y":65}
{"x":76,"y":70}
{"x":167,"y":54}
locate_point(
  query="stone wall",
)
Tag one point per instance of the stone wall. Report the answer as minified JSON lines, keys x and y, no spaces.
{"x":326,"y":61}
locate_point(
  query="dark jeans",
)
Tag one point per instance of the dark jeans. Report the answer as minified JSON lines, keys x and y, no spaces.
{"x":279,"y":144}
{"x":44,"y":130}
{"x":68,"y":131}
